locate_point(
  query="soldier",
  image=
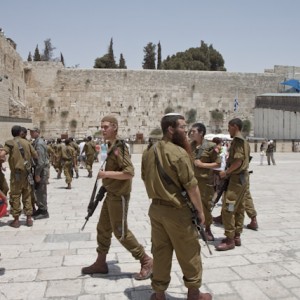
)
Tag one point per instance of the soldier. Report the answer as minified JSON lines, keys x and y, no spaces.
{"x":40,"y":174}
{"x":20,"y":156}
{"x":51,"y":155}
{"x":69,"y":161}
{"x":77,"y":152}
{"x":58,"y":162}
{"x":90,"y":150}
{"x":206,"y":158}
{"x":117,"y":180}
{"x":233,"y":206}
{"x":171,"y":218}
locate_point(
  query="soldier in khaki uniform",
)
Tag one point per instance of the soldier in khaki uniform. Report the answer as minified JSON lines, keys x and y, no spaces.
{"x":77,"y":152}
{"x":171,"y":218}
{"x":233,"y":207}
{"x":58,"y":160}
{"x":117,"y":180}
{"x":206,"y":158}
{"x":20,"y":155}
{"x":90,"y":150}
{"x":68,"y":156}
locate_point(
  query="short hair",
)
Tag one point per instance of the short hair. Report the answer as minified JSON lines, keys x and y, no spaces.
{"x":16,"y":130}
{"x":200,"y":127}
{"x":58,"y":140}
{"x":89,"y":138}
{"x":170,"y":120}
{"x":236,"y":121}
{"x":217,"y":140}
{"x":67,"y":141}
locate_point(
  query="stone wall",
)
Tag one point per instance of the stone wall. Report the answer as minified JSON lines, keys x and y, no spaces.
{"x":59,"y":98}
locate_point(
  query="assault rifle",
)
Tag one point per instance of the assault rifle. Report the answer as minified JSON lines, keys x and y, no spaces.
{"x":196,"y":221}
{"x":94,"y":202}
{"x":220,"y":193}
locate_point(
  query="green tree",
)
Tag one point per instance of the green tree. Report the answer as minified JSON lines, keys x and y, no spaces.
{"x":204,"y":58}
{"x":122,"y":62}
{"x":29,"y":58}
{"x":48,"y":51}
{"x":107,"y":61}
{"x":158,"y":56}
{"x":37,"y":56}
{"x":149,"y":57}
{"x":62,"y":60}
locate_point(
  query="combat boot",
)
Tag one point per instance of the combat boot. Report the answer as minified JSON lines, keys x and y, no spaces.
{"x":15,"y":223}
{"x":195,"y":294}
{"x":99,"y":266}
{"x":158,"y":296}
{"x":237,"y":239}
{"x":69,"y":186}
{"x":253,"y":224}
{"x":29,"y":221}
{"x":226,"y":244}
{"x":59,"y":175}
{"x":90,"y":175}
{"x":77,"y":174}
{"x":146,"y":268}
{"x":209,"y":234}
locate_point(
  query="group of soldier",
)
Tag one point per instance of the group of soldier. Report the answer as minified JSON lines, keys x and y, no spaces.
{"x":29,"y":162}
{"x":178,"y":174}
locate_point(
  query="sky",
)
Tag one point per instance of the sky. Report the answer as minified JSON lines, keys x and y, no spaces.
{"x":251,"y":35}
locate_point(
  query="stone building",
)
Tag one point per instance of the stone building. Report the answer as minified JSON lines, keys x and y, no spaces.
{"x":72,"y":101}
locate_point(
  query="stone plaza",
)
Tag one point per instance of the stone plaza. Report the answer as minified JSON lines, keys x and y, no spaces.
{"x":45,"y":261}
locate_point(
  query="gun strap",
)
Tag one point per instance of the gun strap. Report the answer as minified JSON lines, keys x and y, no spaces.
{"x":162,"y":172}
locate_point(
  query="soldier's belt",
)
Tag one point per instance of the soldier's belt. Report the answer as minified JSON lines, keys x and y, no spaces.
{"x":162,"y":202}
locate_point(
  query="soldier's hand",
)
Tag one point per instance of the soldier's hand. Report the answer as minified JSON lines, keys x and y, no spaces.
{"x":101,"y":174}
{"x":201,"y":217}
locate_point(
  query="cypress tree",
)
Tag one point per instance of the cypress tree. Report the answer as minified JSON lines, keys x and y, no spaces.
{"x":122,"y":62}
{"x":29,"y":58}
{"x":158,"y":56}
{"x":37,"y":56}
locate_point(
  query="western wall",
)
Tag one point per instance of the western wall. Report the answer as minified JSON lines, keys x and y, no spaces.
{"x":72,"y":101}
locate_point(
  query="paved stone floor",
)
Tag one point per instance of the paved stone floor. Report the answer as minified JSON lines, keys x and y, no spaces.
{"x":44,"y":261}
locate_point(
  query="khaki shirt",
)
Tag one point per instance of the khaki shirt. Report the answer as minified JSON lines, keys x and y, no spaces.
{"x":16,"y":160}
{"x":118,"y":159}
{"x":239,"y":149}
{"x":89,"y":148}
{"x":178,"y":166}
{"x":68,"y":153}
{"x":76,"y":147}
{"x":210,"y":154}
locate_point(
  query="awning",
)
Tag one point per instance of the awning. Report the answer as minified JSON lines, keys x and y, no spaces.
{"x":295,"y":83}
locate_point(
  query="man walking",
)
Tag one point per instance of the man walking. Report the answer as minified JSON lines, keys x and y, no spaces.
{"x":171,"y":218}
{"x":117,"y":180}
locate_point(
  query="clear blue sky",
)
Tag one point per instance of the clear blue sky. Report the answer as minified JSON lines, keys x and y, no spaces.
{"x":252,"y":35}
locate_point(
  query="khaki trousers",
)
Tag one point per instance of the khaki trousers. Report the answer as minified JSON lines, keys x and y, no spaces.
{"x":110,"y":221}
{"x":19,"y":187}
{"x":172,"y":229}
{"x":207,"y":192}
{"x":233,"y":207}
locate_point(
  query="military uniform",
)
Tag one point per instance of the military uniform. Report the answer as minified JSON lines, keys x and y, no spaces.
{"x":58,"y":160}
{"x":68,"y":158}
{"x":171,"y":218}
{"x":207,"y":153}
{"x":90,"y":150}
{"x":19,"y":185}
{"x":234,"y":203}
{"x":115,"y":206}
{"x":41,"y":169}
{"x":77,"y":152}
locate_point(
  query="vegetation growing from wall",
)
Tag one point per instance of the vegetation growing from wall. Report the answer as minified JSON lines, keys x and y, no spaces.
{"x":156,"y":131}
{"x":217,"y":115}
{"x":191,"y":116}
{"x":169,"y":109}
{"x":246,"y":127}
